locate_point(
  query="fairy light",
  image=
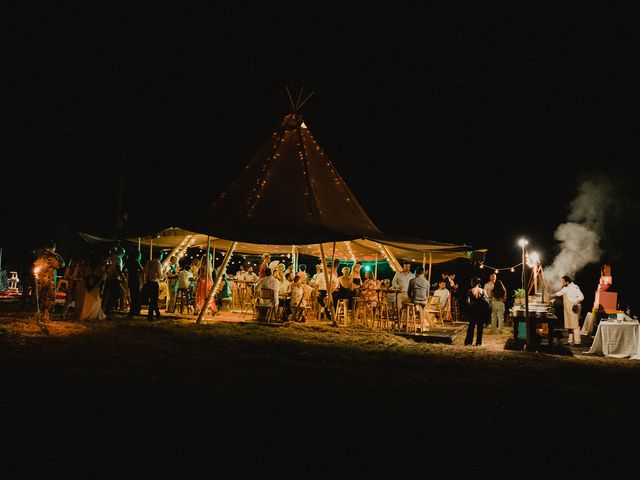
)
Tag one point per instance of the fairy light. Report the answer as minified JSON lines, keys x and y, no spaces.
{"x":350,"y":250}
{"x":386,"y":257}
{"x":499,"y":269}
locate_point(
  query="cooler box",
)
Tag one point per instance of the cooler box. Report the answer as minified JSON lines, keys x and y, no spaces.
{"x":522,"y":330}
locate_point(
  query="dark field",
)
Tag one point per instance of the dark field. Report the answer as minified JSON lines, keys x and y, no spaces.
{"x":174,"y":399}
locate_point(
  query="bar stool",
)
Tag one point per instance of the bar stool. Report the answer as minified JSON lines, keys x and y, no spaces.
{"x":362,"y":311}
{"x":383,"y":318}
{"x":342,"y":311}
{"x":183,"y":299}
{"x":409,"y":318}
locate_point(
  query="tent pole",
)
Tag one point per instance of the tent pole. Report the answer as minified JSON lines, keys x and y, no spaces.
{"x":330,"y":294}
{"x":423,"y":260}
{"x":218,"y":281}
{"x":375,"y":269}
{"x":326,"y":281}
{"x":175,"y":251}
{"x":207,"y":257}
{"x":294,"y":267}
{"x":393,"y":261}
{"x":429,"y":282}
{"x":151,"y":249}
{"x":138,"y":244}
{"x":213,"y":257}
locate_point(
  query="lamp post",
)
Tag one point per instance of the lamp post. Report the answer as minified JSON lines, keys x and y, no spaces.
{"x":523,"y":243}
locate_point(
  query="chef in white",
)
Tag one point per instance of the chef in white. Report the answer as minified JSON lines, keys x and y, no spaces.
{"x":571,"y":296}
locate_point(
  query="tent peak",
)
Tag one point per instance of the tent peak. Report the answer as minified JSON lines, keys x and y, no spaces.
{"x":297,"y":105}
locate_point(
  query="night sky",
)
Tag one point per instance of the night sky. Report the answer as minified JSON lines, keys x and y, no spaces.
{"x":464,"y":124}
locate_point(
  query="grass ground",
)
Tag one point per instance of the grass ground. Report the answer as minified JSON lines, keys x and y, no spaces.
{"x":172,"y":398}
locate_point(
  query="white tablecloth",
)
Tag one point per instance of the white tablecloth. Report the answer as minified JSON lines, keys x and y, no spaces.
{"x":617,"y":339}
{"x":587,"y":326}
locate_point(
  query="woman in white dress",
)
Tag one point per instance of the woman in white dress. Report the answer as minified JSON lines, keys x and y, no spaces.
{"x":92,"y":279}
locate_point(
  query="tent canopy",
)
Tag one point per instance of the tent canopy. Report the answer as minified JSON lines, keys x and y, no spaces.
{"x":291,"y":198}
{"x":289,"y":193}
{"x":366,"y":249}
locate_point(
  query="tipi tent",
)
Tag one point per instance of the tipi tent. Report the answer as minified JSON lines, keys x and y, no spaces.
{"x":290,"y":198}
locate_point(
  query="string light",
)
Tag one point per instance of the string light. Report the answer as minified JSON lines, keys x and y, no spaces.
{"x":498,"y":269}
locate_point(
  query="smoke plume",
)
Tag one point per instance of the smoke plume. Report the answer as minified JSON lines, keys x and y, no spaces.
{"x":579,"y":237}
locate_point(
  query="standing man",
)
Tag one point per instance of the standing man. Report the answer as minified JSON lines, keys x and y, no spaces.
{"x":153,"y":276}
{"x":44,"y":269}
{"x":401,"y":281}
{"x":321,"y":282}
{"x":488,"y":289}
{"x":572,"y":298}
{"x":134,"y":277}
{"x":113,"y":268}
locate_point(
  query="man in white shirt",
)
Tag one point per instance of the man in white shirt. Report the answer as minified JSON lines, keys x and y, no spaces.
{"x":184,"y":279}
{"x":401,"y":281}
{"x":488,"y":287}
{"x":269,"y":282}
{"x":443,"y":293}
{"x":571,"y":300}
{"x":250,"y":275}
{"x":314,"y":279}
